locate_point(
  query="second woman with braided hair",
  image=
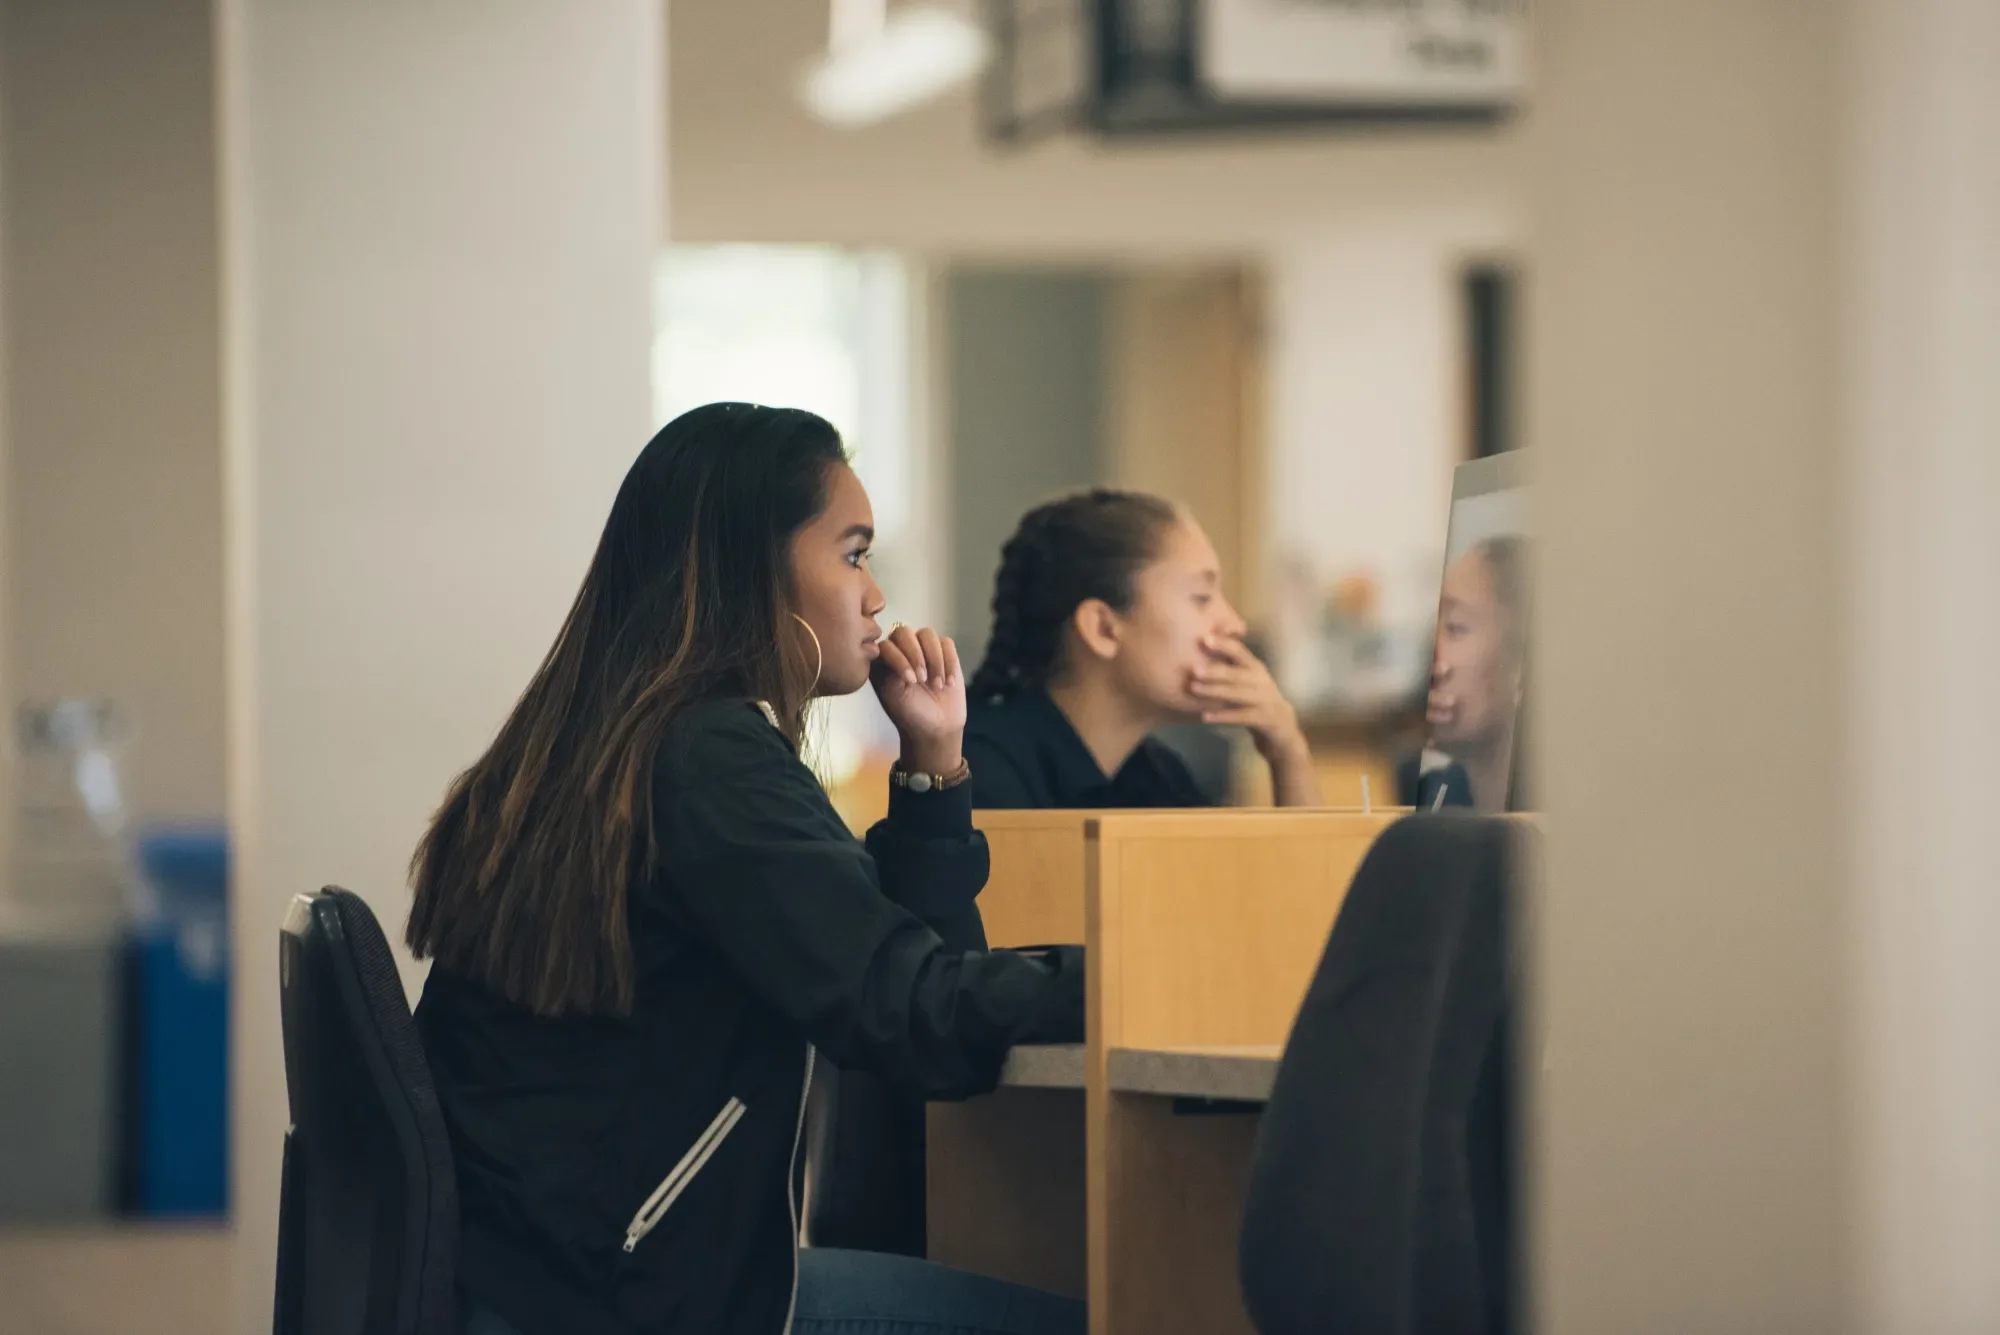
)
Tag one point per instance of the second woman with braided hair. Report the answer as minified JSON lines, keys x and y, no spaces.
{"x":1109,"y":622}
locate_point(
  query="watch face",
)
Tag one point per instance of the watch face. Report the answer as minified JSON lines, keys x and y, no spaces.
{"x":920,"y":783}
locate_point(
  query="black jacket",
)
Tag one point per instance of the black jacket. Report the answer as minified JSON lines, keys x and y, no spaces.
{"x":1419,"y":786}
{"x":1025,"y":754}
{"x":765,"y":927}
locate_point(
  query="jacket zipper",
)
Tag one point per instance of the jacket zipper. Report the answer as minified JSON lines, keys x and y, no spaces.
{"x":791,"y":1176}
{"x":670,"y":1188}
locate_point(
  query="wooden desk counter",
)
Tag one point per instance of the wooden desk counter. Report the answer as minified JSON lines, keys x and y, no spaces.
{"x":1088,"y":1172}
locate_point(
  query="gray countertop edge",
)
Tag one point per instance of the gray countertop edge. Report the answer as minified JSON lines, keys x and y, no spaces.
{"x":1193,"y":1075}
{"x":1044,"y":1066}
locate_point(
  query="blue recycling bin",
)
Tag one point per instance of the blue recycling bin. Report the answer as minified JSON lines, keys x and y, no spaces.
{"x":181,"y":1010}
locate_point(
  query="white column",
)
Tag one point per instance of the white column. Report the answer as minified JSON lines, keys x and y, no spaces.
{"x":1689,"y":1153}
{"x":1923,"y":560}
{"x":8,"y":753}
{"x":440,"y":221}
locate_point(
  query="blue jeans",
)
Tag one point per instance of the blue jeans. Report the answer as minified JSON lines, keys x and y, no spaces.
{"x":874,"y":1293}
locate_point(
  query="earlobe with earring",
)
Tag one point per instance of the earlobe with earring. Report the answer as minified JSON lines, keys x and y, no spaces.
{"x":819,"y":655}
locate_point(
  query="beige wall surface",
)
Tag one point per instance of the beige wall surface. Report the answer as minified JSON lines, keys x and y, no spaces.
{"x":1921,"y":564}
{"x":1367,"y":401}
{"x":1691,"y":1126}
{"x":112,"y":422}
{"x":750,"y":165}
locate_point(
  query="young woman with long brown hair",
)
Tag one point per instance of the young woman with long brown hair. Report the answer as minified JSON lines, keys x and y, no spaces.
{"x":645,"y":917}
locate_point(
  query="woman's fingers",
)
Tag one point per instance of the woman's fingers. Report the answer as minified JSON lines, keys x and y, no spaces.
{"x":894,"y":661}
{"x":1230,"y":650}
{"x":910,"y":641}
{"x":1223,"y":690}
{"x":931,"y":668}
{"x":910,"y":650}
{"x":1232,"y":683}
{"x":1219,"y":694}
{"x":921,"y":657}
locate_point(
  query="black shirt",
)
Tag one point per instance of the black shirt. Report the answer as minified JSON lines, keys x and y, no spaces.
{"x":1025,"y":755}
{"x":762,"y":927}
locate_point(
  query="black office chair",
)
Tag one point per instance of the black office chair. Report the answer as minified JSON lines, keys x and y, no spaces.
{"x":1381,"y":1196}
{"x":864,"y":1164}
{"x":368,"y":1219}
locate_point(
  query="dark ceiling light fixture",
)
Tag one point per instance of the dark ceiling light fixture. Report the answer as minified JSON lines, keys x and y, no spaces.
{"x":1150,"y":67}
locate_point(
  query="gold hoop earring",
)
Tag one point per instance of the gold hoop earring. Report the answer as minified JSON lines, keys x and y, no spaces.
{"x":819,"y":655}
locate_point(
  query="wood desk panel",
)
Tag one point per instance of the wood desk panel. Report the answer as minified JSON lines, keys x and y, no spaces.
{"x":1204,"y":930}
{"x":1203,"y":933}
{"x":1211,"y":928}
{"x":1034,"y":896}
{"x":1006,"y":1187}
{"x":1167,"y":1247}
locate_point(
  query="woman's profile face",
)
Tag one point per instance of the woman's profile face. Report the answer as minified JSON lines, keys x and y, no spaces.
{"x":1177,"y":603}
{"x":1474,"y":679}
{"x":837,"y":595}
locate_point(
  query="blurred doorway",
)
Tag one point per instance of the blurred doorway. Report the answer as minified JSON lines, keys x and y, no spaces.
{"x":1055,"y":378}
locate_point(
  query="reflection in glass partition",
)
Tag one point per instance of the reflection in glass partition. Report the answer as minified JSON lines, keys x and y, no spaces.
{"x":1479,"y":656}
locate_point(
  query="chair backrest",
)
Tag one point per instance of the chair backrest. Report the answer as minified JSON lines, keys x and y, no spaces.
{"x":1381,"y":1193}
{"x":368,"y":1230}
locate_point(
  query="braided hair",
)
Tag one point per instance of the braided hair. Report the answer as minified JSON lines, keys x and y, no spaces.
{"x":1084,"y":546}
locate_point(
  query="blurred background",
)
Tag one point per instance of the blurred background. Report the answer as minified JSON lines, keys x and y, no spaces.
{"x":329,"y":328}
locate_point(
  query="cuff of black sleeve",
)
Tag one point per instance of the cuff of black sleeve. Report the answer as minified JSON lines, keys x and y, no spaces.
{"x":933,"y":815}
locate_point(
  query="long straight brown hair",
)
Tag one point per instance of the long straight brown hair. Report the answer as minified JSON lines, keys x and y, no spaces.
{"x":521,"y":882}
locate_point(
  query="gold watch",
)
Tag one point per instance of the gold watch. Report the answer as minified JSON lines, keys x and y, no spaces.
{"x":921,"y":782}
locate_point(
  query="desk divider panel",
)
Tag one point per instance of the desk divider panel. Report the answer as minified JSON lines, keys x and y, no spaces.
{"x":1204,"y":931}
{"x":1034,"y":896}
{"x":1005,"y":1182}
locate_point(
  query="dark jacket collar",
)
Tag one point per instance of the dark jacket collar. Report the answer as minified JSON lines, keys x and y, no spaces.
{"x":1074,"y":778}
{"x":1026,"y":753}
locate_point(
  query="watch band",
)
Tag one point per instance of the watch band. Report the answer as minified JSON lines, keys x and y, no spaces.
{"x":920,"y":782}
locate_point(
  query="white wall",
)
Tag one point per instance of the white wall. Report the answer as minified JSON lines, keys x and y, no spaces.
{"x":440,"y":228}
{"x":1923,"y":568}
{"x":7,"y":779}
{"x":1691,"y":1119}
{"x":1766,"y":321}
{"x":1370,"y":390}
{"x":114,"y":512}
